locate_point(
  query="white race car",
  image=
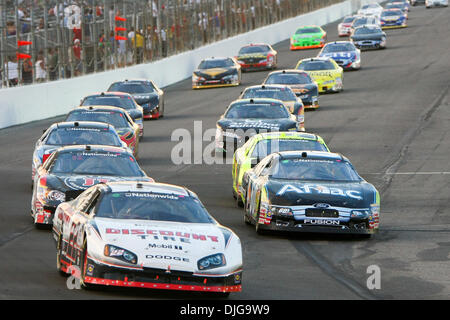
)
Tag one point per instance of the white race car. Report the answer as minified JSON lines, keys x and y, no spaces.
{"x":146,"y":235}
{"x":436,"y":3}
{"x":371,"y":9}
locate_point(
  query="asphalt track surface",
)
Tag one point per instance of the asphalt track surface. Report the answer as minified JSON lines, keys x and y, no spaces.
{"x":392,"y":121}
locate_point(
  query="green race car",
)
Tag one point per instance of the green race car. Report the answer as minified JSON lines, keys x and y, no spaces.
{"x":308,"y":37}
{"x":263,"y":144}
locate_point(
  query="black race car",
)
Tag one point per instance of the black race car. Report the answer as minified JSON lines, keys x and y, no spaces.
{"x":71,"y":133}
{"x":246,"y":117}
{"x":300,"y":83}
{"x":217,"y":72}
{"x":72,"y":169}
{"x":369,"y":37}
{"x":146,"y":93}
{"x":117,"y":99}
{"x":310,"y":191}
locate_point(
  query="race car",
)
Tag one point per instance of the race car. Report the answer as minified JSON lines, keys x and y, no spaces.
{"x":436,"y":3}
{"x":258,"y":56}
{"x":300,"y":83}
{"x":344,"y":27}
{"x":117,"y":99}
{"x":310,"y":191}
{"x":393,"y":18}
{"x":71,"y":133}
{"x":407,"y":3}
{"x":308,"y":37}
{"x":344,"y":53}
{"x":403,"y":6}
{"x":146,"y":235}
{"x":72,"y":169}
{"x":416,"y":2}
{"x":364,"y":20}
{"x":247,"y":117}
{"x":369,"y":37}
{"x":146,"y":93}
{"x":328,"y":75}
{"x":217,"y":72}
{"x":279,"y":92}
{"x":261,"y":145}
{"x":127,"y":129}
{"x":371,"y":9}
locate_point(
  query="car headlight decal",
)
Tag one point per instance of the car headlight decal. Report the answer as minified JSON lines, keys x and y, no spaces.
{"x":210,"y":262}
{"x":120,"y":253}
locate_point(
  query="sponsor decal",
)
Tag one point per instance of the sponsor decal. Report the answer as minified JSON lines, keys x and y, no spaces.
{"x":164,"y":234}
{"x":322,"y":222}
{"x":320,"y":189}
{"x":83,"y":183}
{"x":164,"y":246}
{"x":166,"y":257}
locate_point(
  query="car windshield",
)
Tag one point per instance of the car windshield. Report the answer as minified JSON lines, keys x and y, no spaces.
{"x":395,"y":6}
{"x":391,"y":13}
{"x":267,"y":146}
{"x":348,"y":19}
{"x":123,"y":102}
{"x":289,"y":78}
{"x":338,"y":47}
{"x":152,"y":206}
{"x":96,"y":163}
{"x":222,"y":63}
{"x":283,"y":94}
{"x":78,"y":135}
{"x":114,"y":118}
{"x":254,"y":49}
{"x":257,"y":111}
{"x":311,"y":169}
{"x":132,"y":87}
{"x":360,"y":22}
{"x":307,"y":30}
{"x":316,"y":65}
{"x":361,"y":31}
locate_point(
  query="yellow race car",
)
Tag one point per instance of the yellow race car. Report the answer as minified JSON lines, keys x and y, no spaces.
{"x":328,"y":75}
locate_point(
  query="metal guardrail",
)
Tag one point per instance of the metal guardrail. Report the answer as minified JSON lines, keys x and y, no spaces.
{"x":73,"y":38}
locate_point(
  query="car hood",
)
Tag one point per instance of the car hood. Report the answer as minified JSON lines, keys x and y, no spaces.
{"x":323,"y":75}
{"x":339,"y":194}
{"x":307,"y":36}
{"x":142,"y":98}
{"x":377,"y":36}
{"x":66,"y":182}
{"x":165,"y":245}
{"x":214,"y":72}
{"x":340,"y":55}
{"x":257,"y":124}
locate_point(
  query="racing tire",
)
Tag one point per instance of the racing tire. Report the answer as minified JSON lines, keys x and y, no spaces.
{"x":247,"y":221}
{"x":83,"y":264}
{"x":257,"y":226}
{"x":239,"y":202}
{"x":58,"y":258}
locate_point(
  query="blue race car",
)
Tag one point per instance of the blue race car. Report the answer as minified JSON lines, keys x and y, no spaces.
{"x":393,"y":18}
{"x":344,"y":53}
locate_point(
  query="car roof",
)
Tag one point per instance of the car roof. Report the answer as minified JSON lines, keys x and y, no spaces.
{"x":82,"y":124}
{"x":285,"y":135}
{"x":147,"y":186}
{"x":256,"y":45}
{"x":287,"y":71}
{"x":316,"y":59}
{"x":257,"y":100}
{"x":100,"y":108}
{"x":93,"y":148}
{"x":268,"y":86}
{"x":307,"y":154}
{"x":108,"y":93}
